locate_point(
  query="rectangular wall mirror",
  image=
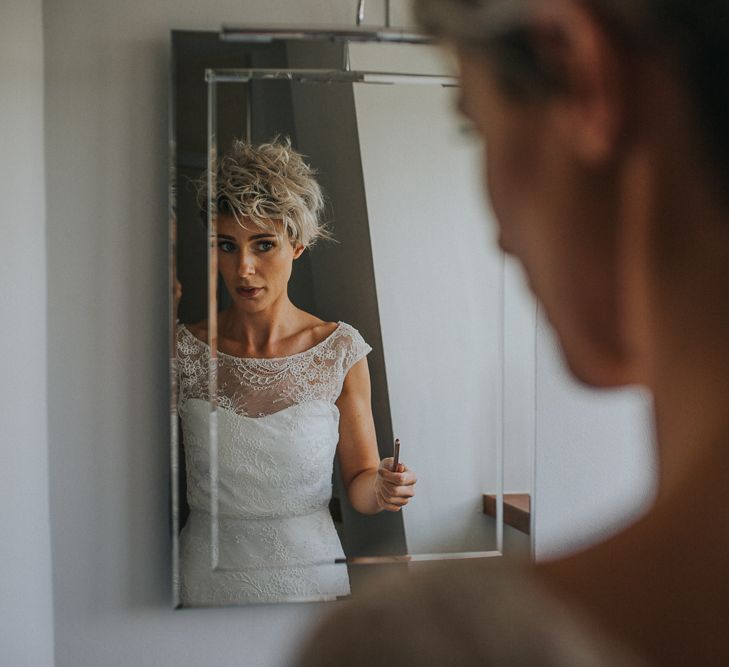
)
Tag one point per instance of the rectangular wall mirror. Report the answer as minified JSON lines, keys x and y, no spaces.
{"x":260,"y":504}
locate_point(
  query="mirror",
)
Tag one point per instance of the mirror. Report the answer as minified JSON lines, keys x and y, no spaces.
{"x":412,"y":273}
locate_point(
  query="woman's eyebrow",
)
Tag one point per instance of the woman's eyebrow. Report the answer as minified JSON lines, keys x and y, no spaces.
{"x":255,"y":237}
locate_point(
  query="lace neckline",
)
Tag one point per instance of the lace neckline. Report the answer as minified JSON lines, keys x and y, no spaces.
{"x":321,"y":343}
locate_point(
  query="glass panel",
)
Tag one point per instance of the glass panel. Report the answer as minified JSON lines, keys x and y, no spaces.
{"x":175,"y":468}
{"x":212,"y":319}
{"x":520,"y":321}
{"x":439,"y":296}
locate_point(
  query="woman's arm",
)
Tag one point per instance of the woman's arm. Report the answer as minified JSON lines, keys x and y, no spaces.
{"x":371,"y":485}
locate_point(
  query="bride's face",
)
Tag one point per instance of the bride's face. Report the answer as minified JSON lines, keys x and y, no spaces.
{"x":255,"y":263}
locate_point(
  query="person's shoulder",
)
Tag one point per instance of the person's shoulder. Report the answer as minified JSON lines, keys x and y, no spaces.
{"x":198,"y":329}
{"x":190,"y":343}
{"x":348,"y":338}
{"x":346,"y":330}
{"x":320,"y":330}
{"x":312,"y":331}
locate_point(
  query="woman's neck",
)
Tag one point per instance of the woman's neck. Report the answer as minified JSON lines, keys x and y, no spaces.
{"x":257,"y":333}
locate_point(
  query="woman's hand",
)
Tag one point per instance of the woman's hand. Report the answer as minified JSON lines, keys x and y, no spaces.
{"x":393,"y":490}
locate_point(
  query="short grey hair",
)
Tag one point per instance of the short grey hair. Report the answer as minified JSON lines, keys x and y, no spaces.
{"x":267,"y":182}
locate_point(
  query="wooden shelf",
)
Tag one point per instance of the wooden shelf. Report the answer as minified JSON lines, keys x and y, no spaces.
{"x":517,"y":509}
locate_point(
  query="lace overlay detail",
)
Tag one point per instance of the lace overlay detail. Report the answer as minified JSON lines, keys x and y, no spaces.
{"x":260,"y":387}
{"x":278,"y":428}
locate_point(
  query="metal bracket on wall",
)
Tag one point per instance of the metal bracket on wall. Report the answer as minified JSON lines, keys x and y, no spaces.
{"x":326,"y":76}
{"x":361,"y":13}
{"x":346,"y":34}
{"x":267,"y":34}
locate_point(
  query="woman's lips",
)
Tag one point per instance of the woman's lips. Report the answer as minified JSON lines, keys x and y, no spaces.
{"x":249,"y":292}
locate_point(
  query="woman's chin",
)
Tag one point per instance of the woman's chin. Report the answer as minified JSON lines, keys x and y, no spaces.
{"x":250,"y":305}
{"x":593,"y":352}
{"x":596,"y":370}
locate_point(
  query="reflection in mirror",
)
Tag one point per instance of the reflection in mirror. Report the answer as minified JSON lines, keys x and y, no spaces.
{"x":272,"y":344}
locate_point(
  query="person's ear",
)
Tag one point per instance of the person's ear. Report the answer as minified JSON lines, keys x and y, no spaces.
{"x":298,"y":251}
{"x":590,"y":106}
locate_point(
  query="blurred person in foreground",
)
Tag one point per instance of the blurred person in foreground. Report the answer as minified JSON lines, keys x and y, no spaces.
{"x":606,"y":126}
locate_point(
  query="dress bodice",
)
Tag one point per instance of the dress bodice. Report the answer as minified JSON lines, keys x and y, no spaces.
{"x":268,"y":467}
{"x":277,"y":428}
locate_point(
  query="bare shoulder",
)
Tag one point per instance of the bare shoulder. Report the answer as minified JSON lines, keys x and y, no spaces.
{"x":198,"y":329}
{"x":316,"y":329}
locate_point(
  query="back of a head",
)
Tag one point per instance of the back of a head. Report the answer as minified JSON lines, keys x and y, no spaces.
{"x":470,"y":613}
{"x":691,"y":37}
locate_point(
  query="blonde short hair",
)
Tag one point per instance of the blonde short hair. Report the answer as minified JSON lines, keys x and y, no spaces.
{"x":267,"y":182}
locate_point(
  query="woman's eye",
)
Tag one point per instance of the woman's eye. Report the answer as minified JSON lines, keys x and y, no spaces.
{"x":264,"y":246}
{"x":226,"y":246}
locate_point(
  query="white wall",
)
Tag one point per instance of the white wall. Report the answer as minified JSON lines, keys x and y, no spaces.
{"x":106,"y":114}
{"x":105,"y":118}
{"x":26,"y":622}
{"x":595,"y":466}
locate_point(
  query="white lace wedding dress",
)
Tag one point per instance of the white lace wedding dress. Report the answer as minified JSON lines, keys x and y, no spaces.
{"x":277,"y":425}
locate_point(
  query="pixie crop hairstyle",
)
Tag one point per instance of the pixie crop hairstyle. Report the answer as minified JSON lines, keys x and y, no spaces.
{"x":258,"y":184}
{"x":691,"y":36}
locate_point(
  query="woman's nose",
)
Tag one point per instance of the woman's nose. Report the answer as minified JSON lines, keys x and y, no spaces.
{"x":246,"y":266}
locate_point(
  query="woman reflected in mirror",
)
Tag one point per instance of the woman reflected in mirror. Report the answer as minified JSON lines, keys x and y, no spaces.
{"x":292,"y":390}
{"x":605,"y":126}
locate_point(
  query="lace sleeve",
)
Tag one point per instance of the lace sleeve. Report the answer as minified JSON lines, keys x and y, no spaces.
{"x":191,"y":366}
{"x":353,"y":347}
